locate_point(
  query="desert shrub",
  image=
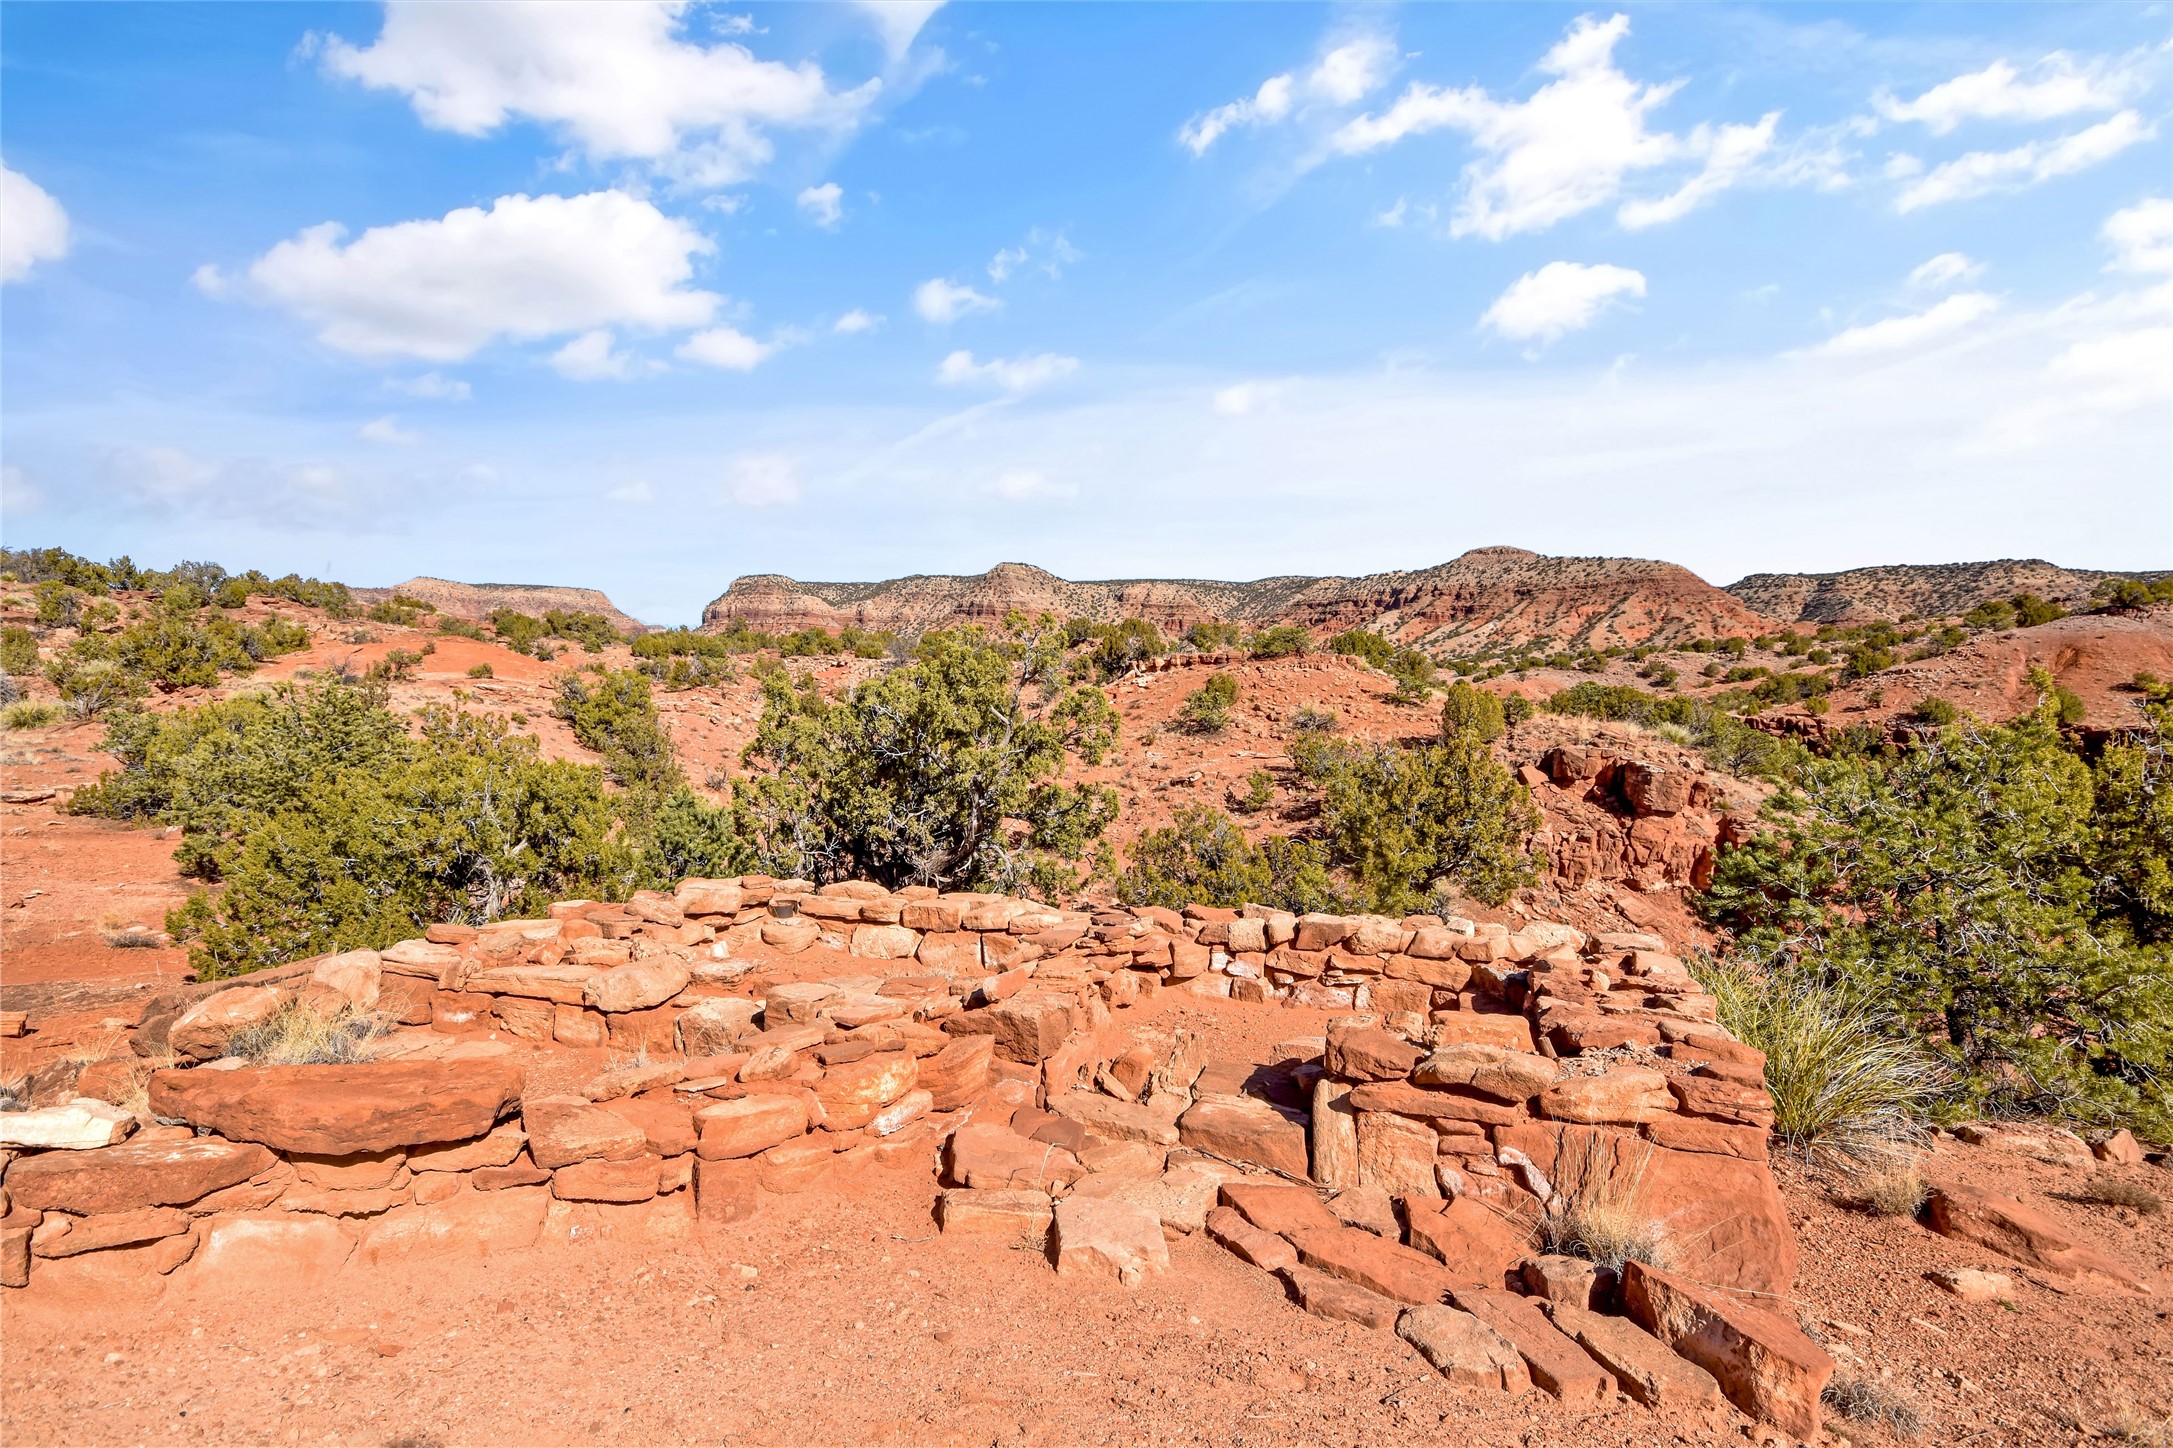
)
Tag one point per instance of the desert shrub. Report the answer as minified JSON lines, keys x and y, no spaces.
{"x":465,"y":821}
{"x":460,"y":627}
{"x":28,"y":714}
{"x":176,"y":652}
{"x":1121,"y":647}
{"x":18,"y":650}
{"x":1729,"y":743}
{"x":592,"y":631}
{"x":1865,"y":660}
{"x":1399,"y":820}
{"x":2005,"y":899}
{"x":90,"y":686}
{"x":1207,"y":709}
{"x":57,"y":604}
{"x":1203,"y":858}
{"x":1845,"y":1077}
{"x":940,"y":772}
{"x":399,"y":663}
{"x":1597,"y":1211}
{"x":1259,"y":791}
{"x":1867,"y":1400}
{"x":1284,"y":640}
{"x":1515,"y":709}
{"x":1889,"y":1183}
{"x":2119,"y":595}
{"x":690,"y":837}
{"x":518,"y":631}
{"x":1471,"y":712}
{"x":295,"y":1035}
{"x":1309,"y":720}
{"x":613,"y":714}
{"x":1213,"y":635}
{"x":1934,"y":711}
{"x":2106,"y":1191}
{"x":481,"y":671}
{"x":1364,"y":644}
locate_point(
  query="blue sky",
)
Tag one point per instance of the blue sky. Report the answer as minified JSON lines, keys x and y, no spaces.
{"x":648,"y":296}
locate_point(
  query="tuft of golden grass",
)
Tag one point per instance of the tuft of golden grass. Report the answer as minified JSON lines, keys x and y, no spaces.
{"x":2106,"y":1191}
{"x":1597,"y":1210}
{"x":296,"y":1035}
{"x":1867,"y":1400}
{"x":1889,"y":1183}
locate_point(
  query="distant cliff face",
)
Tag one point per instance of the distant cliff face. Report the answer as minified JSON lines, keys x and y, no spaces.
{"x":1925,"y":590}
{"x":478,"y":600}
{"x":1490,"y":596}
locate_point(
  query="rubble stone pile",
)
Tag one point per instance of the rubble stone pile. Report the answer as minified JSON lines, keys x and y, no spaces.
{"x":1529,"y":1154}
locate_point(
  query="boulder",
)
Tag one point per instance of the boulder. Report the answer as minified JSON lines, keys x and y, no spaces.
{"x":1264,"y":1250}
{"x":1972,"y":1214}
{"x":749,"y":1125}
{"x":1463,"y":1349}
{"x":1001,"y":1212}
{"x":276,"y":1251}
{"x":1334,"y":1135}
{"x":1369,"y":1055}
{"x":1277,"y":1206}
{"x":959,"y":1073}
{"x":636,"y":987}
{"x":1368,"y":1208}
{"x":563,"y":1130}
{"x":351,"y":980}
{"x":77,"y":1235}
{"x":1396,"y":1154}
{"x":1028,"y":1028}
{"x":507,"y":1219}
{"x":1557,"y":1364}
{"x":84,"y":1124}
{"x":497,"y":1147}
{"x":1392,"y":1270}
{"x":1973,"y":1285}
{"x":1095,"y":1236}
{"x":1647,"y":1369}
{"x":1476,"y":1244}
{"x":854,"y":1092}
{"x":1623,"y":1095}
{"x":1484,"y":1028}
{"x":343,"y":1110}
{"x":1763,"y":1362}
{"x":884,"y":942}
{"x":709,"y":1028}
{"x":1495,"y":1072}
{"x":1114,"y":1120}
{"x":1243,"y":1129}
{"x":202,"y":1031}
{"x":994,"y":1157}
{"x":1338,"y":1300}
{"x":633,"y":1180}
{"x":135,"y":1174}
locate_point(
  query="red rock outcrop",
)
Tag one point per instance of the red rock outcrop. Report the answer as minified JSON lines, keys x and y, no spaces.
{"x":477,"y":600}
{"x":1926,"y":590}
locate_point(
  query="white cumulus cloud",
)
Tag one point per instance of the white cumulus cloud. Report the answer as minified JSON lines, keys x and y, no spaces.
{"x":617,"y":79}
{"x":1012,"y":374}
{"x":2142,"y":236}
{"x":2058,"y":85}
{"x":593,"y":357}
{"x":33,"y":226}
{"x":725,"y":347}
{"x":938,"y":300}
{"x":1560,"y":298}
{"x":1944,"y":270}
{"x":856,"y":320}
{"x":526,"y":268}
{"x":1353,"y":70}
{"x":431,"y":387}
{"x":767,"y":480}
{"x":1896,"y":334}
{"x":824,"y":204}
{"x":387,"y":432}
{"x":1271,"y":102}
{"x":1978,"y":173}
{"x":899,"y":21}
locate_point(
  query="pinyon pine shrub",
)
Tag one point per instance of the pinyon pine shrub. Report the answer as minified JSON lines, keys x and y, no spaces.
{"x":1207,"y":709}
{"x":941,"y":772}
{"x":2001,"y":899}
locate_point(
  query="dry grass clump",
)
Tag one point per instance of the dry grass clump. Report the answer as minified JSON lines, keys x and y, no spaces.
{"x":295,"y":1035}
{"x":1596,"y":1211}
{"x":1889,"y":1184}
{"x":1867,"y":1400}
{"x":128,"y":935}
{"x":2105,"y":1191}
{"x":28,"y":714}
{"x":1844,"y":1081}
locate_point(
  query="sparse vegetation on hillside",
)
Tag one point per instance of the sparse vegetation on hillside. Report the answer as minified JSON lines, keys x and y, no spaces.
{"x":1204,"y":858}
{"x":1207,"y":709}
{"x":1729,"y":743}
